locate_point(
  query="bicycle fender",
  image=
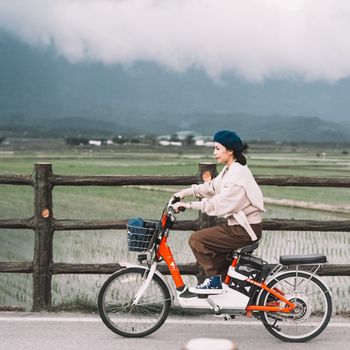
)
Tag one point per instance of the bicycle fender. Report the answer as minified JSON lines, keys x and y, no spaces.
{"x":296,"y":272}
{"x":126,"y":265}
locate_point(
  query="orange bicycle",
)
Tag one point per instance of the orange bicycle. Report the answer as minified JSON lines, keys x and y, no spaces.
{"x":293,"y":304}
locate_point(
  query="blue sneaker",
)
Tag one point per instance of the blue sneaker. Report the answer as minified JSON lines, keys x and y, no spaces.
{"x":211,"y":285}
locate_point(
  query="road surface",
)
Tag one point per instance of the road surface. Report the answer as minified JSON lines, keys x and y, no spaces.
{"x":66,"y":331}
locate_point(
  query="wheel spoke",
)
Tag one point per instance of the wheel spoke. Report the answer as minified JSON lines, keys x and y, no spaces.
{"x":117,"y":309}
{"x":312,"y":307}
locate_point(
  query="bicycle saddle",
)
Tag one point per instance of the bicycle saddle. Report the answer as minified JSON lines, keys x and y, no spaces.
{"x":248,"y":248}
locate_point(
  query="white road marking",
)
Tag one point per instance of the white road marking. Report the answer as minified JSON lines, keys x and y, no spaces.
{"x":168,"y":321}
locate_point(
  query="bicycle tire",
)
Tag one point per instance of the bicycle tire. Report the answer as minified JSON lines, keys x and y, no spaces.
{"x":115,"y":303}
{"x":313,"y":311}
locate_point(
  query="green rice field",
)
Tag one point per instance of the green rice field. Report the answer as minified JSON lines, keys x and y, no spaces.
{"x":107,"y":246}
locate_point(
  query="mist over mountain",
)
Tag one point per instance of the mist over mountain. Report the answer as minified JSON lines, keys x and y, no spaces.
{"x":40,"y":89}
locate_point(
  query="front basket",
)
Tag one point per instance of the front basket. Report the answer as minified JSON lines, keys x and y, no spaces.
{"x":140,"y":237}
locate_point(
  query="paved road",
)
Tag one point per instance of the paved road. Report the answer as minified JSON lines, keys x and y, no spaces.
{"x":27,"y":331}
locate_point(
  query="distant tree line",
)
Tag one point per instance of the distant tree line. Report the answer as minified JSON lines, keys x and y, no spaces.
{"x":76,"y":141}
{"x":124,"y":139}
{"x":120,"y":140}
{"x":188,"y":140}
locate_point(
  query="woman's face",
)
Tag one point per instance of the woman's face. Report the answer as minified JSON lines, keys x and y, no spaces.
{"x":222,"y":154}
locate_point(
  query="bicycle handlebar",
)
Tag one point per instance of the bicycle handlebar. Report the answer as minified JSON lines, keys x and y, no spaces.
{"x":173,"y":200}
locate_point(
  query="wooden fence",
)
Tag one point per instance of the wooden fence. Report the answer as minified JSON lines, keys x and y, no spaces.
{"x":44,"y":224}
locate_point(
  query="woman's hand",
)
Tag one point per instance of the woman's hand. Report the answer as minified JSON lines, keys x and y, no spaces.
{"x":179,"y":194}
{"x":180,"y":206}
{"x":184,"y":193}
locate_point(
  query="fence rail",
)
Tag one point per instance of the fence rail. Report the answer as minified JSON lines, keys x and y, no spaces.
{"x":44,"y":224}
{"x":185,"y":225}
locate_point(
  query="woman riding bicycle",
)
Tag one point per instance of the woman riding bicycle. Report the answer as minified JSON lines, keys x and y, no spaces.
{"x":234,"y":195}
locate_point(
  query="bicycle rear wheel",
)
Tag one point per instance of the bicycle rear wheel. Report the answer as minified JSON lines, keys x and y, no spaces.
{"x":313,"y":307}
{"x":117,"y":295}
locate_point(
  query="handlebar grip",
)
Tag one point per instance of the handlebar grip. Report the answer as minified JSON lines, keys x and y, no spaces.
{"x":174,"y":200}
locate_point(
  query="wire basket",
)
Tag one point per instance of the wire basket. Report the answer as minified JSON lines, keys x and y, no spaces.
{"x":140,"y":237}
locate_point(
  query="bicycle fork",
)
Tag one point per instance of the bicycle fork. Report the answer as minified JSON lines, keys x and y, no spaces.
{"x":165,"y":253}
{"x":145,"y":283}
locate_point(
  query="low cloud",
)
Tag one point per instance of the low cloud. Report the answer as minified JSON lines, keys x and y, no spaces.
{"x":254,"y":39}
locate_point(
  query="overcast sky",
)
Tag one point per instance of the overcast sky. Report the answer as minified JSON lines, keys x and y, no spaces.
{"x":254,"y":39}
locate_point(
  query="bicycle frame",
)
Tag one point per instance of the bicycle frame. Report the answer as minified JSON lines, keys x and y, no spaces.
{"x":163,"y":251}
{"x":274,"y":292}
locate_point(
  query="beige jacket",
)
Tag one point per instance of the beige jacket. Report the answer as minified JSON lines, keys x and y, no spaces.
{"x":233,"y":194}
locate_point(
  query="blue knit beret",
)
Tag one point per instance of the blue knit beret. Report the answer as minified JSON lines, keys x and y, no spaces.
{"x":230,"y":140}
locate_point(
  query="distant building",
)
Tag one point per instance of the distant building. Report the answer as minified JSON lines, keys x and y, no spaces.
{"x":203,"y":142}
{"x":170,"y":143}
{"x":95,"y":142}
{"x":182,"y":137}
{"x":100,"y":142}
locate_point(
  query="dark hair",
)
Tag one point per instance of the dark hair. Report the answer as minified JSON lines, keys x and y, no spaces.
{"x":241,"y":159}
{"x":232,"y":142}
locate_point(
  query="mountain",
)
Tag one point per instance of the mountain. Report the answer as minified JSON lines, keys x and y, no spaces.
{"x":251,"y":128}
{"x":40,"y":90}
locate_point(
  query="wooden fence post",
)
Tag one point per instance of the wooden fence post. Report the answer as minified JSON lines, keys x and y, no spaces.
{"x":207,"y":171}
{"x":43,"y":226}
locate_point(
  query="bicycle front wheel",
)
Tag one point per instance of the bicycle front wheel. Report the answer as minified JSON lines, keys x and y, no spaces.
{"x":312,"y":312}
{"x":115,"y":303}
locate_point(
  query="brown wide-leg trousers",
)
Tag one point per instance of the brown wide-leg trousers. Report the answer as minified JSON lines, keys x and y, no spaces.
{"x":210,"y":246}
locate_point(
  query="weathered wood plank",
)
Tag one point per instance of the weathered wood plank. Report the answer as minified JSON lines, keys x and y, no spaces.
{"x":75,"y":225}
{"x":325,"y":270}
{"x":17,"y":223}
{"x":334,"y":270}
{"x":19,"y":267}
{"x":123,"y":180}
{"x":185,"y":269}
{"x":306,"y":225}
{"x":62,"y":180}
{"x":302,"y":181}
{"x":64,"y":268}
{"x":187,"y":180}
{"x":188,"y":225}
{"x":183,"y":225}
{"x":12,"y":179}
